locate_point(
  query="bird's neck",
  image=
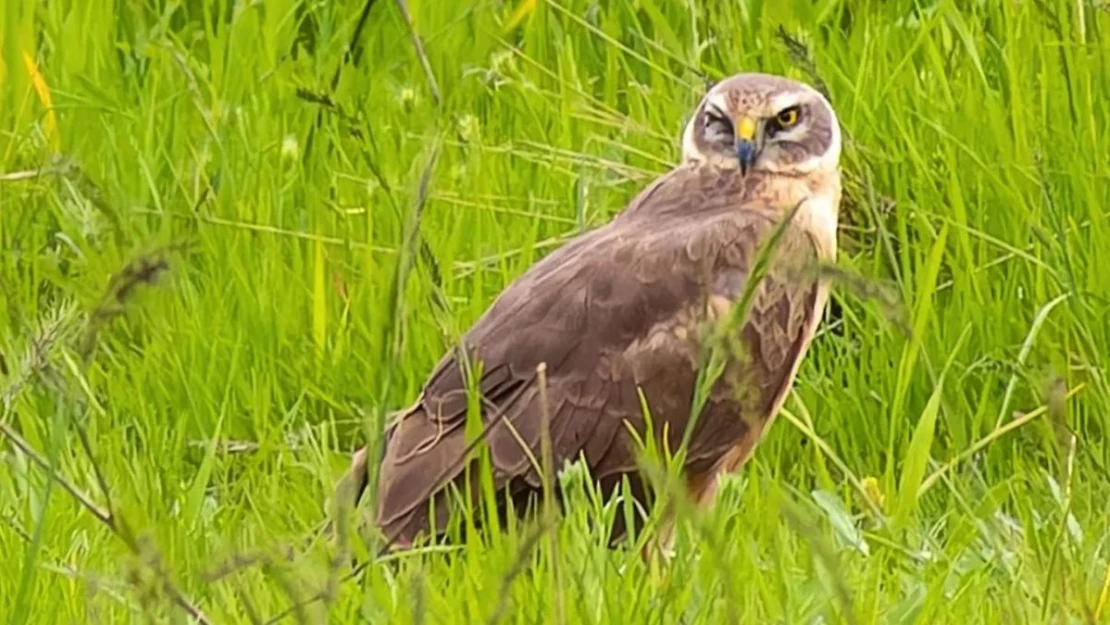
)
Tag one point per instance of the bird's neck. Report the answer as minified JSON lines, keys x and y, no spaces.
{"x":823,"y":211}
{"x":819,"y":195}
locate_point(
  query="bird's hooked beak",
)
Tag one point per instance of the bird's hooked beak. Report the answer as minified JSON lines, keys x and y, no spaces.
{"x":746,"y":148}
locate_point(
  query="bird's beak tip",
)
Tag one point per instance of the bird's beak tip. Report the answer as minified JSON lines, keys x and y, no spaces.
{"x":745,"y":153}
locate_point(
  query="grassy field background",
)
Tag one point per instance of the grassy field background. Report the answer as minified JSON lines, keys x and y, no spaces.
{"x":231,"y":242}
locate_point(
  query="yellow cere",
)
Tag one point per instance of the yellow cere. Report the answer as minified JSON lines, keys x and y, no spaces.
{"x":745,"y":129}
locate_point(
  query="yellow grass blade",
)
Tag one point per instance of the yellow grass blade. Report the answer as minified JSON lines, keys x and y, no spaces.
{"x":50,"y":123}
{"x":319,"y":301}
{"x":522,"y":11}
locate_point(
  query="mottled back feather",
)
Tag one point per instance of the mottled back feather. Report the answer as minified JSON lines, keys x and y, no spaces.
{"x":619,"y":308}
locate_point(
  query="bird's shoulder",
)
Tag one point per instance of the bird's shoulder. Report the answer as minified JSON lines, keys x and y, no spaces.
{"x":677,"y":242}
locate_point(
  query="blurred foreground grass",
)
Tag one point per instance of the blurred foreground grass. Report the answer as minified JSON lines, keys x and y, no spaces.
{"x":220,"y":266}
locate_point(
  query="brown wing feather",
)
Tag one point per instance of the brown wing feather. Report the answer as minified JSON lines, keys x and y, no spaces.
{"x":616,"y":309}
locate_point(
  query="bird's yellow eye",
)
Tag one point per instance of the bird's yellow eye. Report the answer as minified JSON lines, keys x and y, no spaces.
{"x":787,"y":117}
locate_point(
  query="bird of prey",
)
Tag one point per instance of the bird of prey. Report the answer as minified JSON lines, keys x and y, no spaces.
{"x":618,"y":317}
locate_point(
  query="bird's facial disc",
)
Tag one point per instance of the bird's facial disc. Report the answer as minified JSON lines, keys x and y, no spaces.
{"x":757,"y":122}
{"x":749,"y":132}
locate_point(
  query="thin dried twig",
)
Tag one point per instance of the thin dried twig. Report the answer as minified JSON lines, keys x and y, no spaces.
{"x":235,"y":447}
{"x":143,"y":270}
{"x":348,"y":54}
{"x":803,"y":60}
{"x":328,"y":104}
{"x":101,"y":514}
{"x":26,"y":174}
{"x":38,"y":364}
{"x":549,"y":512}
{"x":415,"y":236}
{"x":418,"y":45}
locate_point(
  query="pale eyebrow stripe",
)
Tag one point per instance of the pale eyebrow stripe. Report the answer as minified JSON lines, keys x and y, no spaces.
{"x":784,"y":101}
{"x":715,"y":111}
{"x":717,"y":101}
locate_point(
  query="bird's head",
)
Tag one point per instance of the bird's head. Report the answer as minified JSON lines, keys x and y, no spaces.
{"x":764,"y":123}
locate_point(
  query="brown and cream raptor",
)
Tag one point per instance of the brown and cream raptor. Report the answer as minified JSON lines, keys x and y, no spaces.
{"x":623,"y":309}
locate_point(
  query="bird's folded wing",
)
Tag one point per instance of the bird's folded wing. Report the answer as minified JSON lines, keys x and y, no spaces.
{"x":617,"y":310}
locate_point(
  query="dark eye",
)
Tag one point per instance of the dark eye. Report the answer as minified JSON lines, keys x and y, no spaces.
{"x":717,"y":124}
{"x":787,"y":118}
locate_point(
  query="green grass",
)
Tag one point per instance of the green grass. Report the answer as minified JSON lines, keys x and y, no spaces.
{"x":279,"y":297}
